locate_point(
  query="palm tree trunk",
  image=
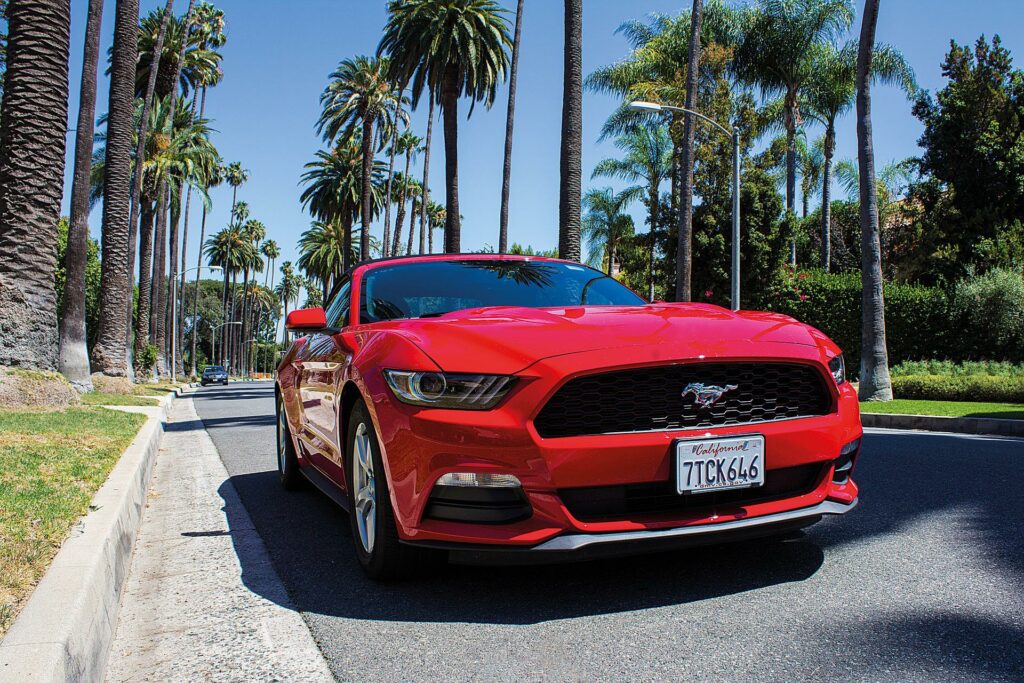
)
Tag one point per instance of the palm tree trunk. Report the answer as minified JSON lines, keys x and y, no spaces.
{"x":875,"y":384}
{"x":172,"y":280}
{"x":425,"y":195}
{"x":244,"y":335}
{"x":33,"y":124}
{"x":412,"y":224}
{"x":74,"y":356}
{"x":826,"y":201}
{"x":386,"y":243}
{"x":180,"y":301}
{"x":401,"y":203}
{"x":230,"y":354}
{"x":142,"y":335}
{"x":684,"y":251}
{"x":110,"y":354}
{"x":449,"y":109}
{"x":655,"y":210}
{"x":157,"y":329}
{"x":570,"y":172}
{"x":224,"y":316}
{"x":423,"y":227}
{"x":365,"y":204}
{"x":506,"y":175}
{"x":346,"y":240}
{"x":140,"y":145}
{"x":195,"y":297}
{"x":790,"y":121}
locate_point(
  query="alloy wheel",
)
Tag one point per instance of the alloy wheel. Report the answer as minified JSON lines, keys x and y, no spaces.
{"x":364,"y":487}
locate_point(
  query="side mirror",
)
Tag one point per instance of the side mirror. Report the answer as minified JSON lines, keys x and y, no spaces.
{"x":306,"y":320}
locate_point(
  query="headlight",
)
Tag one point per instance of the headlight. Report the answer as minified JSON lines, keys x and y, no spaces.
{"x":446,"y":390}
{"x":838,"y":369}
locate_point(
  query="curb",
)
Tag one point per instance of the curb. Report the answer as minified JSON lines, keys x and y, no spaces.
{"x":934,"y":423}
{"x":66,"y":628}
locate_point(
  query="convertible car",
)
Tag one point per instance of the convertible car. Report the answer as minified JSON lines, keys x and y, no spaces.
{"x":513,"y":409}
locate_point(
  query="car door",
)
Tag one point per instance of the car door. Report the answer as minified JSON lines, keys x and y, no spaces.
{"x":323,"y":368}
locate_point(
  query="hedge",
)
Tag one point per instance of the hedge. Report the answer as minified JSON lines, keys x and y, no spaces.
{"x":995,"y":388}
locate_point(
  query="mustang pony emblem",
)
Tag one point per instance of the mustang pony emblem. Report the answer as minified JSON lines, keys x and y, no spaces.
{"x":706,"y":395}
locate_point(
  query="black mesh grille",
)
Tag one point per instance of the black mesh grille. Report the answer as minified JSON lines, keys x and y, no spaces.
{"x":595,"y":503}
{"x":648,"y":399}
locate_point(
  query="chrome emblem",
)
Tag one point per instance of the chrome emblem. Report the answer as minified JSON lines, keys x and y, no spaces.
{"x":706,"y":395}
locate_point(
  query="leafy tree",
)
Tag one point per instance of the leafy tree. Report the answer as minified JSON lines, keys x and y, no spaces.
{"x":92,"y":275}
{"x":605,"y":226}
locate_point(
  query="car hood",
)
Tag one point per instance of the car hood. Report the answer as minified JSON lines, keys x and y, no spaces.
{"x":506,"y":339}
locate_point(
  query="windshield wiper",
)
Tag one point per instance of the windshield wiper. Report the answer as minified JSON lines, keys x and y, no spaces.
{"x":437,"y":314}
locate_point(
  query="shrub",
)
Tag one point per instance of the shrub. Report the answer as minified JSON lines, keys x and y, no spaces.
{"x":949,"y":368}
{"x":989,"y":310}
{"x":964,"y":387}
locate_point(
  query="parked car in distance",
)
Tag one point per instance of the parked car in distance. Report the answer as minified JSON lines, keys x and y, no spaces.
{"x":213,"y":374}
{"x":511,"y":409}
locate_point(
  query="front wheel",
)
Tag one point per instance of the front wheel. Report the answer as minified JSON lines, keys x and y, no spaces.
{"x":374,"y":531}
{"x":287,"y":461}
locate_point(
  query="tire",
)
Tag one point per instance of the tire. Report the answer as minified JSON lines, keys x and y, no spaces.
{"x":225,"y":382}
{"x":378,"y":548}
{"x":204,"y":383}
{"x":287,"y":461}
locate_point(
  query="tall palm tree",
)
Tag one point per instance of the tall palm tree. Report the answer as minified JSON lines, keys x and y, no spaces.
{"x":287,"y":291}
{"x":227,"y":249}
{"x":875,"y":384}
{"x":777,"y":54}
{"x":187,"y":57}
{"x":684,"y":248}
{"x":236,"y":176}
{"x":322,"y":253}
{"x":255,"y":231}
{"x":811,"y":159}
{"x":215,"y":178}
{"x":453,"y":48}
{"x":647,"y":160}
{"x":830,"y":93}
{"x":33,"y":124}
{"x":506,"y":174}
{"x":605,"y":225}
{"x":436,"y":220}
{"x":571,"y":155}
{"x":414,"y":190}
{"x":110,"y":353}
{"x":359,"y":96}
{"x":271,"y":252}
{"x":409,"y":145}
{"x":74,"y":356}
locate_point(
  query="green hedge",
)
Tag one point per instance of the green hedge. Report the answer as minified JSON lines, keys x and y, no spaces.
{"x":1005,"y":389}
{"x":982,"y":320}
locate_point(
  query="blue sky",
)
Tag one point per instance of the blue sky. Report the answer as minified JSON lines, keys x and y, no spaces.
{"x":279,"y":54}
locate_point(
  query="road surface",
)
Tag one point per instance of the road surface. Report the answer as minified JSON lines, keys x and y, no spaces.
{"x":923,"y":581}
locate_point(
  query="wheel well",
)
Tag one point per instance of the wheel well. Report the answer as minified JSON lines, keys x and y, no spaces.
{"x":349,"y":395}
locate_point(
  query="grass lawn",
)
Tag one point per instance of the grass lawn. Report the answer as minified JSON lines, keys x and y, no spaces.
{"x":51,"y":464}
{"x":1005,"y":411}
{"x":94,"y":398}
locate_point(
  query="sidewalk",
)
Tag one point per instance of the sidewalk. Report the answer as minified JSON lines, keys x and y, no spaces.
{"x":187,"y":611}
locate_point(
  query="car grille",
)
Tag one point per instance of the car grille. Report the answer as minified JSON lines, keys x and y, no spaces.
{"x":597,"y":503}
{"x":650,"y":399}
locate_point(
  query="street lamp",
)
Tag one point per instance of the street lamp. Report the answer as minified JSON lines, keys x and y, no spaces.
{"x":735,"y":135}
{"x":174,"y":317}
{"x":213,"y":341}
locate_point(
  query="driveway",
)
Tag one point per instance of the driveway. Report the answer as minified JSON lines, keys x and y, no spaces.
{"x":923,"y":581}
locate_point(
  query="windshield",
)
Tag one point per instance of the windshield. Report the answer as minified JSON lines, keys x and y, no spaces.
{"x":431,"y":288}
{"x":214,"y":368}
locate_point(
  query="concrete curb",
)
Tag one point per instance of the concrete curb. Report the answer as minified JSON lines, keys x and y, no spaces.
{"x":66,"y":628}
{"x":934,"y":423}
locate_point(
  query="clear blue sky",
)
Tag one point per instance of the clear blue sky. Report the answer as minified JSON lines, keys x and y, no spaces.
{"x":279,"y":54}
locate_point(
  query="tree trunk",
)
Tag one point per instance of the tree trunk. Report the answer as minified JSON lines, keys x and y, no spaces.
{"x":826,"y":200}
{"x":110,"y":354}
{"x":142,"y":316}
{"x":230,"y":355}
{"x":684,"y":252}
{"x":412,"y":224}
{"x":790,"y":121}
{"x":244,"y":330}
{"x":157,"y":329}
{"x":570,"y":164}
{"x":172,"y":280}
{"x":449,"y":108}
{"x":195,"y":299}
{"x":32,"y":129}
{"x":875,"y":384}
{"x":506,"y":175}
{"x":140,"y":145}
{"x":426,"y":161}
{"x":366,"y":204}
{"x":385,"y":244}
{"x":401,"y":204}
{"x":655,"y":210}
{"x":347,"y":241}
{"x":74,"y":355}
{"x":223,"y":316}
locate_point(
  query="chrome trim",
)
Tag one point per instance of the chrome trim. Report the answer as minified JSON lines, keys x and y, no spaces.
{"x":571,"y":542}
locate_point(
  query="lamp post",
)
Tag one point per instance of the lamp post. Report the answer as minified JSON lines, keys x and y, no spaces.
{"x":214,"y":340}
{"x":735,"y":135}
{"x":174,"y":317}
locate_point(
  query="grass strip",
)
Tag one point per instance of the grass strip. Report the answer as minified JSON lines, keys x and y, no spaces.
{"x":1004,"y":411}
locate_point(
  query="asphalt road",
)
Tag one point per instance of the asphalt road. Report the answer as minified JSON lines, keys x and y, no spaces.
{"x":923,"y":581}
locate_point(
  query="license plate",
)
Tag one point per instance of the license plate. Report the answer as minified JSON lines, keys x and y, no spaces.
{"x":716,"y":464}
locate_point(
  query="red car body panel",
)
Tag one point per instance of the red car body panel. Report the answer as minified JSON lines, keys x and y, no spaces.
{"x":545,"y":348}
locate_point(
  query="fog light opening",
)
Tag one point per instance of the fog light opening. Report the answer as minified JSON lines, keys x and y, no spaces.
{"x":844,"y":463}
{"x":479,"y":480}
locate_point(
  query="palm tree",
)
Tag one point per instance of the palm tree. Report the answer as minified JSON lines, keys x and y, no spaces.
{"x":236,"y":176}
{"x":215,"y":179}
{"x":287,"y":290}
{"x":186,"y":56}
{"x":570,"y":183}
{"x":255,"y":231}
{"x":414,"y":190}
{"x":605,"y":225}
{"x":227,"y":249}
{"x":454,"y":48}
{"x":506,"y":174}
{"x":830,"y":93}
{"x":648,"y":160}
{"x":74,"y":356}
{"x":33,"y":124}
{"x":409,"y":145}
{"x":875,"y":384}
{"x":811,"y":159}
{"x":436,"y":214}
{"x":777,"y":54}
{"x":271,"y":252}
{"x":359,"y":96}
{"x":322,"y":253}
{"x":110,"y":353}
{"x":684,"y":248}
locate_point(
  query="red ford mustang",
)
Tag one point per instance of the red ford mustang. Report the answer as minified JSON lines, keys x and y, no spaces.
{"x":520,"y":409}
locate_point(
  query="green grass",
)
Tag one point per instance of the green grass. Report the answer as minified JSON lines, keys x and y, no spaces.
{"x":1005,"y":411}
{"x":94,"y":398}
{"x":51,"y":465}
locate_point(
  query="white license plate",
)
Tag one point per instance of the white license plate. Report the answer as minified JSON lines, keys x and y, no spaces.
{"x":716,"y":464}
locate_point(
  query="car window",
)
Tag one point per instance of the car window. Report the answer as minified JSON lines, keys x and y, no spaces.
{"x":338,"y":311}
{"x":430,"y":288}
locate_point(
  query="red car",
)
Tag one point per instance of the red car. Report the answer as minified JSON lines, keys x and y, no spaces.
{"x":520,"y":409}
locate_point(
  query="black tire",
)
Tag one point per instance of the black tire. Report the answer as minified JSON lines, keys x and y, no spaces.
{"x":225,"y":382}
{"x":287,"y":461}
{"x":204,"y":383}
{"x":387,"y":558}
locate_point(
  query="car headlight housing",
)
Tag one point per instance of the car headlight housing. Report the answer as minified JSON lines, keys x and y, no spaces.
{"x":448,"y":390}
{"x":837,"y":366}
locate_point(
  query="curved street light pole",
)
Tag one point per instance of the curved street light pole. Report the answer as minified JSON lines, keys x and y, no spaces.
{"x":735,"y":135}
